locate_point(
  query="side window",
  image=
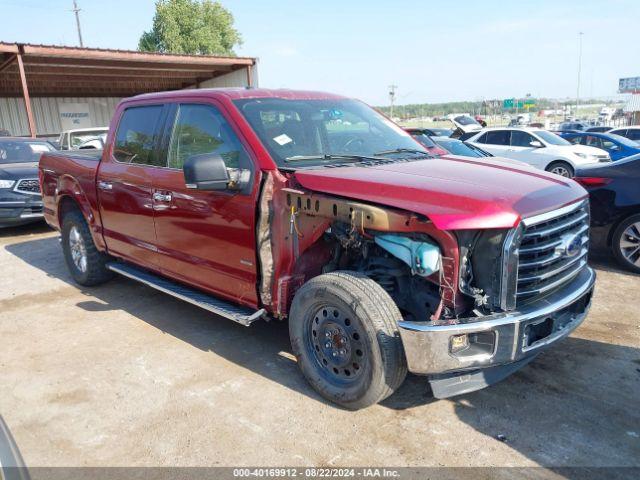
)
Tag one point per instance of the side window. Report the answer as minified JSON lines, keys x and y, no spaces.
{"x":498,"y":137}
{"x":482,"y":138}
{"x":622,"y":133}
{"x":633,"y":134}
{"x":202,"y":129}
{"x":136,"y":135}
{"x":521,"y":139}
{"x":592,"y":141}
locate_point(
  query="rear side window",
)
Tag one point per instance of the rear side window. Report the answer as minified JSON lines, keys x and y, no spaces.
{"x":497,"y":137}
{"x":202,"y":129}
{"x":136,"y":136}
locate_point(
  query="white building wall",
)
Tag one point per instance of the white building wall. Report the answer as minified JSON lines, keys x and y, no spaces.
{"x":13,"y":115}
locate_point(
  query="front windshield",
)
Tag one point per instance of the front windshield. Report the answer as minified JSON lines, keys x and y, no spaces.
{"x":22,"y":152}
{"x":551,"y":138}
{"x":301,"y":133}
{"x":458,"y":148}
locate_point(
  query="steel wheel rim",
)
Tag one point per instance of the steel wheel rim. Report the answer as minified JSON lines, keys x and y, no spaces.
{"x":630,"y":244}
{"x":337,"y":344}
{"x":78,"y":249}
{"x":562,"y":171}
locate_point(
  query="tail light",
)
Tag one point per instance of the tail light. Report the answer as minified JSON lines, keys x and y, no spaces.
{"x":592,"y":181}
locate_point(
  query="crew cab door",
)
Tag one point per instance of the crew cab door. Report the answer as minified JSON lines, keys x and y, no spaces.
{"x":124,"y":185}
{"x":207,"y":238}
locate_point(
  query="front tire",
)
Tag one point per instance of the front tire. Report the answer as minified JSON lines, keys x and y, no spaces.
{"x":344,"y":334}
{"x":85,"y":262}
{"x":625,"y":243}
{"x":561,"y":168}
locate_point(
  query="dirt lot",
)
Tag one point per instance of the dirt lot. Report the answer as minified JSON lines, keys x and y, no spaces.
{"x":123,"y":375}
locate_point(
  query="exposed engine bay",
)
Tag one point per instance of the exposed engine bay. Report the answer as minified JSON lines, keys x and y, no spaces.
{"x":432,"y":275}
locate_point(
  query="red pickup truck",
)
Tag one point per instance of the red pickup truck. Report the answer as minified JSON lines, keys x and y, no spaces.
{"x":316,"y":209}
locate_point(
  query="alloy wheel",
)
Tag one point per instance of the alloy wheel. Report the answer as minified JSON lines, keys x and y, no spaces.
{"x":78,"y":249}
{"x":630,"y":244}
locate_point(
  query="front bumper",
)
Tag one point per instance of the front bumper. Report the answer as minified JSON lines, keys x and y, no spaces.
{"x":499,"y":339}
{"x":20,"y":209}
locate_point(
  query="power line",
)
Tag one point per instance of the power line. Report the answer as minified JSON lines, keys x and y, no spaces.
{"x":76,"y":10}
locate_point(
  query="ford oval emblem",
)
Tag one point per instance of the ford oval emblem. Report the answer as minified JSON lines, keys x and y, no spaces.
{"x":571,"y":244}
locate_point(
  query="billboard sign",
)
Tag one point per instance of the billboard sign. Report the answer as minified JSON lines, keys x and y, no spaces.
{"x":629,"y":85}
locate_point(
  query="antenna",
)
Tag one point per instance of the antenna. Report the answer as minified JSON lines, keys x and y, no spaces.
{"x":76,"y":10}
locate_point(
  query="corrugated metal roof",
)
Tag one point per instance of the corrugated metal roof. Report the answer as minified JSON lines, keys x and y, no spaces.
{"x":633,"y":105}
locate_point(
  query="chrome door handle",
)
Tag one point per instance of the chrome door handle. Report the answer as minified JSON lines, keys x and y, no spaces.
{"x":162,"y":197}
{"x":102,"y":185}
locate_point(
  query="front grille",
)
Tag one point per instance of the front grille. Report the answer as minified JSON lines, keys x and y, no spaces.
{"x":30,"y":186}
{"x":553,"y":250}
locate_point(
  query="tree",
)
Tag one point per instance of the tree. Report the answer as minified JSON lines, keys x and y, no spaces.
{"x":191,"y":27}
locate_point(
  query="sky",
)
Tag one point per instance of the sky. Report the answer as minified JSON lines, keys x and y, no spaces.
{"x":434,"y":51}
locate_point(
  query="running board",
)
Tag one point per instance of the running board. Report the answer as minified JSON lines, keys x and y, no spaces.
{"x":242,"y":315}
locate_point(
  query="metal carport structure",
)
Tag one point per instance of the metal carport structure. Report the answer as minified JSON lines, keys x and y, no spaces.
{"x":30,"y":71}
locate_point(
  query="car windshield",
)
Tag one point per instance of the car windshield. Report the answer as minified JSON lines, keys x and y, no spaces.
{"x":80,"y":137}
{"x":458,"y":148}
{"x":441,"y":132}
{"x":550,"y":138}
{"x":301,"y":133}
{"x":12,"y":151}
{"x":423,"y":139}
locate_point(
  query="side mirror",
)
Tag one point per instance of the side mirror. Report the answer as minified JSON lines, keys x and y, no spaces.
{"x":206,"y":171}
{"x":536,"y":144}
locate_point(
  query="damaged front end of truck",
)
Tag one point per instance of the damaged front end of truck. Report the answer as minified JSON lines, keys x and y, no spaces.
{"x":473,"y":310}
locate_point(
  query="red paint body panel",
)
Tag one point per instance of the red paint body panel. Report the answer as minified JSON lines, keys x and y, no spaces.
{"x":455,"y":193}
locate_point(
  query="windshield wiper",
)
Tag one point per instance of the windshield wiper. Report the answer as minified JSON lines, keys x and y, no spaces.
{"x":328,"y":156}
{"x":404,"y":150}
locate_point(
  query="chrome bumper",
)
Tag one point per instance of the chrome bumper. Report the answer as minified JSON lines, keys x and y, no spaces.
{"x":502,"y":338}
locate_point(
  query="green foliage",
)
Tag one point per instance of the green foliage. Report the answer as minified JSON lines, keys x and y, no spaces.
{"x":191,"y":27}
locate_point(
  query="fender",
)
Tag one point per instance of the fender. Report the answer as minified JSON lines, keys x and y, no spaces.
{"x":69,"y":188}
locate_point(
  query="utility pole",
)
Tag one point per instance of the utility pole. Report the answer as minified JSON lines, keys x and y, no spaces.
{"x":392,"y":98}
{"x":76,"y":10}
{"x":579,"y":71}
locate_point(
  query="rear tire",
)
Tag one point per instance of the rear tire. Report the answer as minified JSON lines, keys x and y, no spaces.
{"x":561,"y":168}
{"x":344,"y":334}
{"x":625,"y":243}
{"x":85,"y":262}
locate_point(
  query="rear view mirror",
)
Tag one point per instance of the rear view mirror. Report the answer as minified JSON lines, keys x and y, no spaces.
{"x":206,"y":171}
{"x":536,"y":144}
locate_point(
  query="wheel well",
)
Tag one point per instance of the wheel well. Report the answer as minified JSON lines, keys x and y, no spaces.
{"x":66,"y":205}
{"x":616,"y":224}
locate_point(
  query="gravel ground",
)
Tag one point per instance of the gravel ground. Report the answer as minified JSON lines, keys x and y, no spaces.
{"x":123,"y":375}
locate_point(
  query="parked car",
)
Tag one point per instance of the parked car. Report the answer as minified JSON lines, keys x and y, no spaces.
{"x":464,"y":124}
{"x":599,"y":129}
{"x":20,"y":200}
{"x":573,"y":126}
{"x":420,"y":135}
{"x":259,"y":203}
{"x":96,"y":143}
{"x":615,"y":208}
{"x":632,"y":133}
{"x":539,"y":148}
{"x":71,"y":139}
{"x":437,"y":132}
{"x":618,"y":147}
{"x":4,"y":133}
{"x":457,"y":147}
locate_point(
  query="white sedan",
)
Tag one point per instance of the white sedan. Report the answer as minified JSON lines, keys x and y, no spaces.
{"x":538,"y":148}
